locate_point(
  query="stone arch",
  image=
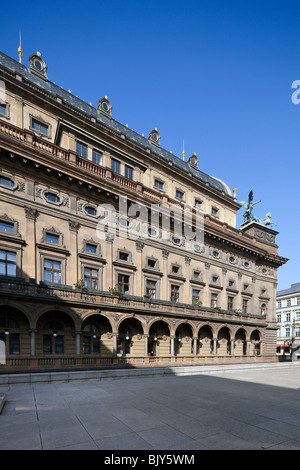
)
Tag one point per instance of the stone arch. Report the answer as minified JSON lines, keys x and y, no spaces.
{"x":240,"y":342}
{"x":223,"y":342}
{"x":255,"y":343}
{"x":55,"y":332}
{"x":159,"y":338}
{"x":96,"y":335}
{"x":14,"y":329}
{"x":205,"y":340}
{"x":69,"y":312}
{"x":130,"y":337}
{"x":183,"y":339}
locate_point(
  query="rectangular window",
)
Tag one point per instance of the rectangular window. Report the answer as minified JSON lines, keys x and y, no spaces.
{"x":179,"y":194}
{"x":123,"y":256}
{"x":195,"y":296}
{"x":279,"y":304}
{"x":214,"y":300}
{"x":288,"y":316}
{"x":97,"y":157}
{"x":198,"y":204}
{"x":298,"y":300}
{"x":151,"y":289}
{"x":8,"y":263}
{"x":128,"y":172}
{"x":230,"y":304}
{"x":214,"y":211}
{"x":288,"y":302}
{"x":14,"y":343}
{"x":3,"y":109}
{"x":151,"y":263}
{"x":90,"y":278}
{"x":175,"y":293}
{"x":90,"y":248}
{"x":52,"y":271}
{"x":279,"y":318}
{"x":39,"y":126}
{"x":51,"y":238}
{"x":6,"y":227}
{"x":81,"y":150}
{"x":123,"y":282}
{"x":245,"y":306}
{"x":158,"y":184}
{"x":115,"y":166}
{"x":287,"y":332}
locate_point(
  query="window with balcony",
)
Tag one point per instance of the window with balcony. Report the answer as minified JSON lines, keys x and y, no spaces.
{"x":151,"y":288}
{"x":128,"y":172}
{"x":230,"y":300}
{"x":40,"y":127}
{"x":115,"y":166}
{"x":179,"y":194}
{"x":81,"y":150}
{"x":97,"y":157}
{"x":123,"y":282}
{"x":8,"y":263}
{"x":214,"y":300}
{"x":195,"y":296}
{"x":175,"y":291}
{"x":90,"y":278}
{"x":52,"y":271}
{"x":158,"y":184}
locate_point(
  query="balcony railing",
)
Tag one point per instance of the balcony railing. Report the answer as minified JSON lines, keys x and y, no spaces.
{"x":101,"y":298}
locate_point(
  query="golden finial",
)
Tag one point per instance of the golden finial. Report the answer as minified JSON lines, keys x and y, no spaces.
{"x":20,"y":52}
{"x":183,"y":152}
{"x":234,"y":193}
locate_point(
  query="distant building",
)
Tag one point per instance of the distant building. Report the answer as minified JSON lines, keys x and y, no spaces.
{"x":288,"y":318}
{"x":73,"y":296}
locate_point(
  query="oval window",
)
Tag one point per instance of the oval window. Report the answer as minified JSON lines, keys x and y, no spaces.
{"x":7,"y":182}
{"x":90,"y":210}
{"x":52,"y":197}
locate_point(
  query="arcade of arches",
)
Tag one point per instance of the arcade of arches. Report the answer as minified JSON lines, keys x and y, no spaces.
{"x":65,"y":333}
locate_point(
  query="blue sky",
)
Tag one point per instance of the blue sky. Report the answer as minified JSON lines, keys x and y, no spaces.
{"x":214,"y":74}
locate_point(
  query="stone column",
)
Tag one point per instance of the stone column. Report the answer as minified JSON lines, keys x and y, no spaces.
{"x":32,"y":342}
{"x":29,"y":254}
{"x":172,"y":338}
{"x":115,"y":345}
{"x":77,"y":343}
{"x":146,"y":345}
{"x":215,"y":346}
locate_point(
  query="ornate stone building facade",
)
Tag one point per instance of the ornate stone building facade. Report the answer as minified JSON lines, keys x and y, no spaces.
{"x":76,"y":296}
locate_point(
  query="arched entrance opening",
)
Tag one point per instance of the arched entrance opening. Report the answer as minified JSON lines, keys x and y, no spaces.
{"x":205,"y":341}
{"x":55,"y":334}
{"x":159,"y":339}
{"x":97,"y":338}
{"x":255,"y":341}
{"x":240,"y":344}
{"x":224,"y":342}
{"x":183,"y":340}
{"x":130,"y":338}
{"x":14,"y":331}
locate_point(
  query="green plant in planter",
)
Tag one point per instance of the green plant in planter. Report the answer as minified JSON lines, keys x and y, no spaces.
{"x":117,"y":290}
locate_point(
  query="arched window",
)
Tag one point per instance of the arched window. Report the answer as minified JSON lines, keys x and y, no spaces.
{"x":91,"y":339}
{"x":53,"y":339}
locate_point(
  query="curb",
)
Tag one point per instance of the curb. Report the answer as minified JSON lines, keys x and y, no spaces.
{"x":49,"y":377}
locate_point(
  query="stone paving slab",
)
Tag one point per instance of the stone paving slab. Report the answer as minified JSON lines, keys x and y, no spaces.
{"x":230,"y":408}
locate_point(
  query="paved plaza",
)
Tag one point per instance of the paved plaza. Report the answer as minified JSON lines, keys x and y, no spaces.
{"x":236,"y":409}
